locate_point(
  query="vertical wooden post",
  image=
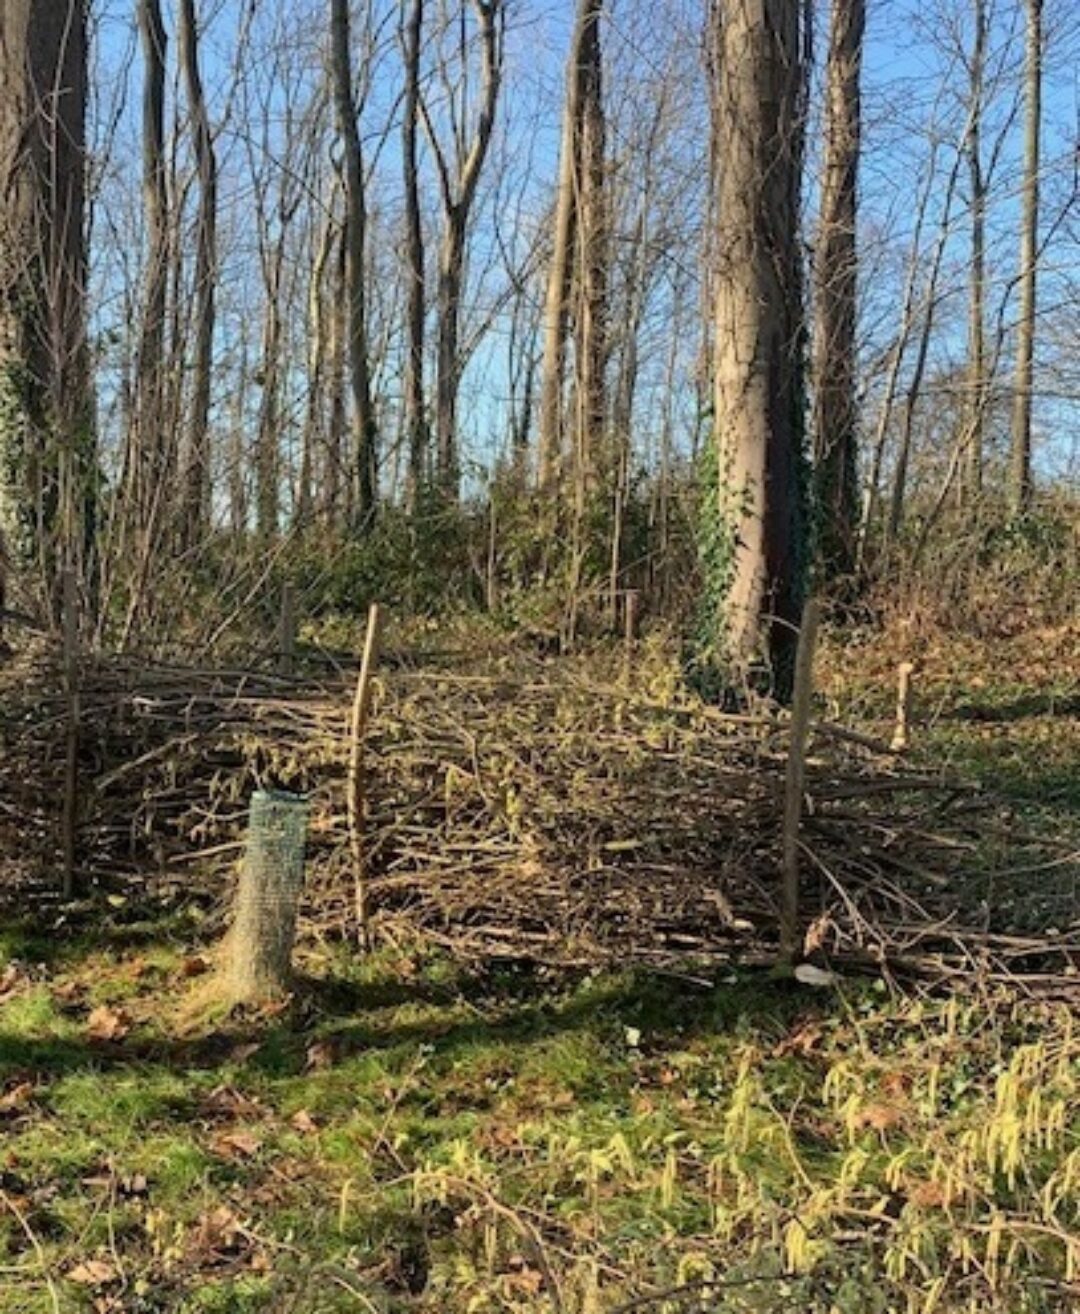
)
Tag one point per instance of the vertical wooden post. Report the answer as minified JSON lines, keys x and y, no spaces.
{"x":794,"y":781}
{"x":630,"y":618}
{"x":900,"y":739}
{"x":69,"y":818}
{"x":287,"y":629}
{"x":355,"y":801}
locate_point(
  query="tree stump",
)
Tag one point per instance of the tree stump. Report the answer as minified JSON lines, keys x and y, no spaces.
{"x":257,"y":961}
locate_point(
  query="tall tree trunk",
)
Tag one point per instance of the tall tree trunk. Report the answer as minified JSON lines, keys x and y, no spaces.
{"x":416,"y":428}
{"x":835,"y":277}
{"x":149,"y":461}
{"x":585,"y":42}
{"x":458,"y":181}
{"x":316,"y":371}
{"x":47,"y":456}
{"x":975,"y":409}
{"x":268,"y":435}
{"x":365,"y":455}
{"x":759,"y":413}
{"x":196,"y":516}
{"x":591,"y":266}
{"x":1020,"y":484}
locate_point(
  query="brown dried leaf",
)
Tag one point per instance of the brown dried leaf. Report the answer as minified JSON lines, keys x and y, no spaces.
{"x":92,"y":1273}
{"x":320,"y":1055}
{"x":302,"y":1121}
{"x":107,"y":1023}
{"x":237,"y":1144}
{"x":17,"y":1098}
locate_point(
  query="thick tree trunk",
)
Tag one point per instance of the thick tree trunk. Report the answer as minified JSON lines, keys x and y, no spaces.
{"x":835,"y":274}
{"x":46,"y":416}
{"x":365,"y":442}
{"x":1020,"y":483}
{"x":196,"y":517}
{"x":759,"y":412}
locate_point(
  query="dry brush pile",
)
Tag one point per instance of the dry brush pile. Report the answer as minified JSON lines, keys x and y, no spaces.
{"x":533,"y":809}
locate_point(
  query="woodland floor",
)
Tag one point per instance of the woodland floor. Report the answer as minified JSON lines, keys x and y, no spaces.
{"x":423,"y":1133}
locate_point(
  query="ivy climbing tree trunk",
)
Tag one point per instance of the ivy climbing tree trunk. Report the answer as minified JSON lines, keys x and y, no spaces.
{"x":835,"y":410}
{"x":757,"y":112}
{"x":46,"y":437}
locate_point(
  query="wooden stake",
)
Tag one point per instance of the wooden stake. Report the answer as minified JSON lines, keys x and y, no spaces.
{"x":287,"y":634}
{"x":69,"y":817}
{"x":360,"y":709}
{"x":794,"y":781}
{"x":630,"y":632}
{"x":904,"y":673}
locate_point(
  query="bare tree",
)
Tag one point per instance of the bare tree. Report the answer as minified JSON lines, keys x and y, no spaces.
{"x":416,"y":427}
{"x":196,"y":471}
{"x":363,"y":415}
{"x":977,"y":368}
{"x":46,"y":447}
{"x":835,"y":408}
{"x":1020,"y":445}
{"x":583,"y":83}
{"x":459,"y":168}
{"x":148,"y":457}
{"x":757,"y":125}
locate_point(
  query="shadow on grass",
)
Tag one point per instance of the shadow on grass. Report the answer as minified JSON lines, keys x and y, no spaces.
{"x":350,"y":1019}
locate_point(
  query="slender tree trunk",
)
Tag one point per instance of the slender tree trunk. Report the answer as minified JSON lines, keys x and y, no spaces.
{"x":47,"y":457}
{"x":584,"y":50}
{"x":316,"y":371}
{"x":268,"y":436}
{"x":591,"y":266}
{"x":1020,"y":482}
{"x":835,"y":276}
{"x":149,"y":457}
{"x":196,"y":515}
{"x":416,"y":428}
{"x":365,"y":431}
{"x":975,"y":409}
{"x":759,"y":413}
{"x":459,"y":183}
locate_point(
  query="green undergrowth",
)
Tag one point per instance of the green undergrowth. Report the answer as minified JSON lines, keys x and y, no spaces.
{"x":416,"y":1135}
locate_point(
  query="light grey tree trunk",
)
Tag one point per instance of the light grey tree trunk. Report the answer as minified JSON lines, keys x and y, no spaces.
{"x":1020,"y":482}
{"x":759,"y":404}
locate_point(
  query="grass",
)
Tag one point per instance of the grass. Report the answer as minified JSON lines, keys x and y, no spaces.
{"x":420,"y":1136}
{"x":451,"y":1141}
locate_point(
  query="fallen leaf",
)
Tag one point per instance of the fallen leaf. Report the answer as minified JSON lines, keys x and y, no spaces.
{"x":218,"y":1230}
{"x":302,"y":1121}
{"x":236,"y":1144}
{"x":17,"y":1098}
{"x":106,"y":1023}
{"x":320,"y":1055}
{"x":196,"y":965}
{"x":92,"y":1273}
{"x":228,"y":1102}
{"x":880,"y":1117}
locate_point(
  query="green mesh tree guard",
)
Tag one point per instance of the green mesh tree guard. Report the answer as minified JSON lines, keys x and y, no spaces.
{"x":259,"y":958}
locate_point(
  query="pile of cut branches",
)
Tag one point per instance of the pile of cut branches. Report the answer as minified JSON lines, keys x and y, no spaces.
{"x":536,"y":810}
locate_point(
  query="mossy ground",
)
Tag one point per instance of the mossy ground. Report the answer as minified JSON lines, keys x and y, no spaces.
{"x":417,"y":1135}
